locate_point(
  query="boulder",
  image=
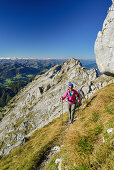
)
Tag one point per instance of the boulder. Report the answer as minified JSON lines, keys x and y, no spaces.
{"x":104,"y":45}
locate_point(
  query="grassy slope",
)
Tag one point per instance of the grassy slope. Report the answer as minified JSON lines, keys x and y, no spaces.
{"x":82,"y":142}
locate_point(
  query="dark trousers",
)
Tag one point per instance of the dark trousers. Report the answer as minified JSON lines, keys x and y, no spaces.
{"x":71,"y":109}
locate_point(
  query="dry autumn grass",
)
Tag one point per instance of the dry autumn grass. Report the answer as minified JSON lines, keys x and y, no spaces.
{"x":83,"y":146}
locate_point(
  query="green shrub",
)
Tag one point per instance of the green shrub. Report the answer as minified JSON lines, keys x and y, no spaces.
{"x":84,"y":145}
{"x":95,"y":117}
{"x":98,"y":129}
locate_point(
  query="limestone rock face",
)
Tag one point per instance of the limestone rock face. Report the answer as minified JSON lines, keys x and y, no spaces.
{"x":39,"y":102}
{"x":104,"y":45}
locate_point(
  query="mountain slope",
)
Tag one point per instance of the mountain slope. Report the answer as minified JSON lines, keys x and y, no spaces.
{"x":39,"y":102}
{"x":85,"y":144}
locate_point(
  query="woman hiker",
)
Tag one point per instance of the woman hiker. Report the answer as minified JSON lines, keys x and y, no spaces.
{"x":72,"y":101}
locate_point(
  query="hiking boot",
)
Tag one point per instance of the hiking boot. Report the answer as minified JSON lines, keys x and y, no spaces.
{"x":75,"y":118}
{"x":70,"y":122}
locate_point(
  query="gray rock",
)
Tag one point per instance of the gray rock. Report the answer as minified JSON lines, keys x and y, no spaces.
{"x":59,"y":161}
{"x":110,"y":130}
{"x":87,"y":89}
{"x":104,"y":45}
{"x":104,"y":84}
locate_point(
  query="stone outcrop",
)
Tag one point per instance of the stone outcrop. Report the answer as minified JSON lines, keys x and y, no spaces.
{"x":104,"y":45}
{"x":39,"y":102}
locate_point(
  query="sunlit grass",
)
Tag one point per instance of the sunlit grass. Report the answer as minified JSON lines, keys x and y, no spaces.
{"x":18,"y":76}
{"x":8,"y":81}
{"x":30,"y":75}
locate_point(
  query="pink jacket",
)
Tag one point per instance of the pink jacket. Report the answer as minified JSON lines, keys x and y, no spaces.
{"x":71,"y":99}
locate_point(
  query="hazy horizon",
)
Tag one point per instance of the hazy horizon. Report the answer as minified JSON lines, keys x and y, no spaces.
{"x":53,"y":58}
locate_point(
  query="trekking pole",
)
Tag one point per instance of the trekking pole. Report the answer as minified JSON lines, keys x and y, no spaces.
{"x":62,"y":112}
{"x":61,"y":103}
{"x":78,"y":108}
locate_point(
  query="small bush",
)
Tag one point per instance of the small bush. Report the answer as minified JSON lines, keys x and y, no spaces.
{"x":94,"y":132}
{"x":95,"y":117}
{"x":85,"y":145}
{"x":81,"y":168}
{"x":6,"y":167}
{"x":98,"y":129}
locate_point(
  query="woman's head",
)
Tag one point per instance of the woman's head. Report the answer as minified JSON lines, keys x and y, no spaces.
{"x":70,"y":86}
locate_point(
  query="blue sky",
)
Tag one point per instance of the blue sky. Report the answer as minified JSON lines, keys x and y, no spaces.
{"x":50,"y":28}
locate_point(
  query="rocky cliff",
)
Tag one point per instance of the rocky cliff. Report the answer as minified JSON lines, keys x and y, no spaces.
{"x":39,"y":102}
{"x":104,"y":45}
